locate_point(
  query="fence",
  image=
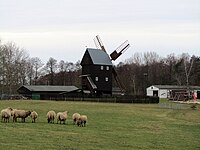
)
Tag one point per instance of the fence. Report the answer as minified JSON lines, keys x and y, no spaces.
{"x":121,"y":99}
{"x":110,"y":99}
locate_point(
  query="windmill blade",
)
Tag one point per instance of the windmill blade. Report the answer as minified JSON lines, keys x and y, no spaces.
{"x":119,"y":83}
{"x":121,"y":49}
{"x":99,"y":43}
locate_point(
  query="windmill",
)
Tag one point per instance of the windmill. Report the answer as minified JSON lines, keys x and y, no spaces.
{"x":113,"y":56}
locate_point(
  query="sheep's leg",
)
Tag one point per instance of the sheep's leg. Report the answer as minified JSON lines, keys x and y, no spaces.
{"x":14,"y":118}
{"x":75,"y":121}
{"x":52,"y":119}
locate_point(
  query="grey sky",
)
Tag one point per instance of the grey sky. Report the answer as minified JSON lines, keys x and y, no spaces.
{"x":62,"y":28}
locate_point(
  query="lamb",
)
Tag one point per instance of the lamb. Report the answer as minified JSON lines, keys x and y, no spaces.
{"x":81,"y":121}
{"x":23,"y":114}
{"x":34,"y":115}
{"x":75,"y":116}
{"x":6,"y":114}
{"x":51,"y":115}
{"x":62,"y":116}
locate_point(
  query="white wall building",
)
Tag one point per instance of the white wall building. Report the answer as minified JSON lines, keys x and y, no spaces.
{"x":163,"y":91}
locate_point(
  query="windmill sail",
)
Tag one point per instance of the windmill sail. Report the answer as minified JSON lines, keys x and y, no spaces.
{"x":121,"y":86}
{"x":99,"y":43}
{"x":121,"y":49}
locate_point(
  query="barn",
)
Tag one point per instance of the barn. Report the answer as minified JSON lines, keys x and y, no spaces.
{"x":44,"y":92}
{"x":166,"y":91}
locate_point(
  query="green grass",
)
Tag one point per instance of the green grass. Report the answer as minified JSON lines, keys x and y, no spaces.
{"x":110,"y":126}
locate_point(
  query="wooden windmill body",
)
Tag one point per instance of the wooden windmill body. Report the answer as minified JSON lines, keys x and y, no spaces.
{"x":97,"y":69}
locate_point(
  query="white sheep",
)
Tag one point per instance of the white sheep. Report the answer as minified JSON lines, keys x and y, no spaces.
{"x":6,"y":114}
{"x":51,"y":115}
{"x":81,"y":121}
{"x":75,"y":116}
{"x":33,"y":115}
{"x":23,"y":114}
{"x":62,"y":116}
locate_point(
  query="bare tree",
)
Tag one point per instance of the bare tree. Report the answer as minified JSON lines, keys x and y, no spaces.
{"x":13,"y":66}
{"x":51,"y":67}
{"x":62,"y":70}
{"x":1,"y":69}
{"x":36,"y":66}
{"x":30,"y":71}
{"x":188,"y":63}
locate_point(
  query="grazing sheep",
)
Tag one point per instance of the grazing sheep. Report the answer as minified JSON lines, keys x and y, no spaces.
{"x":81,"y":121}
{"x":6,"y":114}
{"x":34,"y":115}
{"x":75,"y":116}
{"x":51,"y":115}
{"x":62,"y":116}
{"x":23,"y":114}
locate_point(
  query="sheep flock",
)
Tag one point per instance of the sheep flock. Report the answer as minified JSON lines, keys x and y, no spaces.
{"x":12,"y":114}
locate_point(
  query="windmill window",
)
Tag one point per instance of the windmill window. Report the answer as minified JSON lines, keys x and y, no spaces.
{"x":96,"y":79}
{"x":107,"y":67}
{"x":106,"y":79}
{"x":101,"y":67}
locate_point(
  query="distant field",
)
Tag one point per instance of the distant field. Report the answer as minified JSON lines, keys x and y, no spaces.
{"x":110,"y":126}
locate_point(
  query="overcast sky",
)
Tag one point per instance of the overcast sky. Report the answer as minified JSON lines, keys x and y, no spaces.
{"x":62,"y":29}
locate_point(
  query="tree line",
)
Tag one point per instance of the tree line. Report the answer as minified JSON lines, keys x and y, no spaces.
{"x":136,"y":73}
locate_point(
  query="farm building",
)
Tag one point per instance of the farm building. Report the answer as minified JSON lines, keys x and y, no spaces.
{"x":168,"y":91}
{"x":45,"y":92}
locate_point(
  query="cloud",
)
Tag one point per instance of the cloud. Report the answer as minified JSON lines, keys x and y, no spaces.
{"x":64,"y":28}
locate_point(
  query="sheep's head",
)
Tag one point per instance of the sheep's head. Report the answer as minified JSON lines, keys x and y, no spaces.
{"x":10,"y":108}
{"x":78,"y":123}
{"x":66,"y":112}
{"x":28,"y":113}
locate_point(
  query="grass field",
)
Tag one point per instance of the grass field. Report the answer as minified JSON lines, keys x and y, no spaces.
{"x":110,"y":126}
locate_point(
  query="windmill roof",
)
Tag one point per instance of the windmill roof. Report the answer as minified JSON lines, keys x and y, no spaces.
{"x":99,"y":57}
{"x":50,"y":88}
